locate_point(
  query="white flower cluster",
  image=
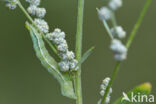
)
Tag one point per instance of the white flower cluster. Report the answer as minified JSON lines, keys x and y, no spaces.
{"x":42,"y":25}
{"x":34,"y":2}
{"x":11,"y":4}
{"x":119,"y":49}
{"x":67,"y":62}
{"x":105,"y":13}
{"x":117,"y":32}
{"x":33,"y":9}
{"x":115,"y":4}
{"x":103,"y":89}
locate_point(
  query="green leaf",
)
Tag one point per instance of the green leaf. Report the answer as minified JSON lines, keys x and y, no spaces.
{"x":85,"y":56}
{"x":143,"y":89}
{"x":50,"y":64}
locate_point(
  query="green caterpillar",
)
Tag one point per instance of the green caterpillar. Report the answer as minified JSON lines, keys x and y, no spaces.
{"x":50,"y":64}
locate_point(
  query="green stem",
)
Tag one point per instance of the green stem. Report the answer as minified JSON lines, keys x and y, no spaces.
{"x":108,"y":29}
{"x":31,"y":20}
{"x":78,"y":87}
{"x":131,"y":38}
{"x":137,"y":25}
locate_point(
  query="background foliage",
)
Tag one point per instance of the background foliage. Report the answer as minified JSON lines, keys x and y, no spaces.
{"x":22,"y":78}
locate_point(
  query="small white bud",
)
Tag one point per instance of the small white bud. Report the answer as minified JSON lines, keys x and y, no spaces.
{"x":107,"y":100}
{"x":34,"y":2}
{"x":118,"y":47}
{"x":103,"y":87}
{"x":115,"y":4}
{"x":59,"y":41}
{"x":73,"y":64}
{"x":42,"y":25}
{"x":102,"y":92}
{"x":104,"y":13}
{"x":118,"y":32}
{"x":11,"y":4}
{"x":62,"y":47}
{"x":64,"y":66}
{"x":106,"y":81}
{"x":69,"y":55}
{"x":120,"y":57}
{"x":32,"y":9}
{"x":40,"y":12}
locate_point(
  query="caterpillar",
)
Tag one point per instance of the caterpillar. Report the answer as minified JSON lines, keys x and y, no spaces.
{"x":49,"y":63}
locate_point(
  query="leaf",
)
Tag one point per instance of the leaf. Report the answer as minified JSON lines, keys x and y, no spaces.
{"x":50,"y":64}
{"x":143,"y":89}
{"x":85,"y":56}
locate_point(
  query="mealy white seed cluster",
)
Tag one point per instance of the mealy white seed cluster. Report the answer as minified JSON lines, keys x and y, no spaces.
{"x":34,"y":10}
{"x":11,"y":4}
{"x":42,"y":25}
{"x":68,"y":61}
{"x":119,"y":50}
{"x":115,"y":4}
{"x":106,"y":13}
{"x":103,"y":89}
{"x":118,"y":32}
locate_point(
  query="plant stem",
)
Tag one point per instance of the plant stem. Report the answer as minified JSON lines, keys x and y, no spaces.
{"x":31,"y":20}
{"x":78,"y":87}
{"x":108,"y":29}
{"x":137,"y":25}
{"x":131,"y":38}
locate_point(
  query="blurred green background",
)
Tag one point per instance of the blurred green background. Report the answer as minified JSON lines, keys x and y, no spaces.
{"x":24,"y":81}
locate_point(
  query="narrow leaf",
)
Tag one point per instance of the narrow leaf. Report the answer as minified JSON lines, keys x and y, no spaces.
{"x":85,"y":56}
{"x":142,"y":90}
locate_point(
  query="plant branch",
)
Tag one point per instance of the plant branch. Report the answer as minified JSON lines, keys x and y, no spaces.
{"x":78,"y":87}
{"x":131,"y":38}
{"x":32,"y":21}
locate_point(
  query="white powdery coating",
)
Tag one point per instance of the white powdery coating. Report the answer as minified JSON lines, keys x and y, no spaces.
{"x":42,"y":25}
{"x":11,"y":4}
{"x":62,"y":47}
{"x":34,"y":10}
{"x":67,"y":63}
{"x":118,"y":32}
{"x":69,"y":55}
{"x":104,"y":13}
{"x":73,"y":64}
{"x":64,"y":66}
{"x":106,"y":81}
{"x":40,"y":12}
{"x":103,"y":89}
{"x":59,"y":41}
{"x":34,"y":2}
{"x":118,"y":47}
{"x":102,"y":92}
{"x":55,"y":35}
{"x":120,"y":57}
{"x":115,"y":4}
